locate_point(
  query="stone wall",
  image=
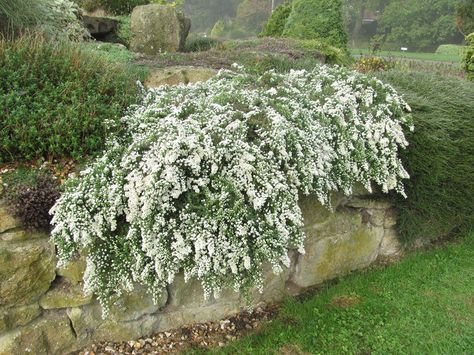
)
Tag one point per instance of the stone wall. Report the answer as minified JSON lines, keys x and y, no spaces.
{"x":43,"y":309}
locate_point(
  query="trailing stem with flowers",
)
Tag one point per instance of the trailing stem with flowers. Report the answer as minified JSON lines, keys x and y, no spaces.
{"x":206,"y":181}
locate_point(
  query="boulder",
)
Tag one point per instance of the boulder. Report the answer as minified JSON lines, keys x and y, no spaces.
{"x":178,"y":75}
{"x":157,"y":29}
{"x":26,"y":271}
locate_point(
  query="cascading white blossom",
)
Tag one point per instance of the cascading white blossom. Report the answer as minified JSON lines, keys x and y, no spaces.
{"x":206,"y":180}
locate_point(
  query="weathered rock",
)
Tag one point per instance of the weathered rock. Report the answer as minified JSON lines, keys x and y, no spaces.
{"x":26,"y":271}
{"x":7,"y":221}
{"x":50,"y":334}
{"x":73,"y":271}
{"x":133,"y":315}
{"x":20,"y":235}
{"x":390,"y":245}
{"x":63,"y":295}
{"x":334,"y":248}
{"x":18,"y":316}
{"x":178,"y":75}
{"x":157,"y":29}
{"x":99,"y":27}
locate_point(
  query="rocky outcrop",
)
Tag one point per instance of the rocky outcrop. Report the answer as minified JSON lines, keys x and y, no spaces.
{"x":43,"y":309}
{"x":158,"y":29}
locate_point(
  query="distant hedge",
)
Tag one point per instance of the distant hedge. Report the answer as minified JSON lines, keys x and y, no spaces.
{"x":440,"y":158}
{"x":58,"y":100}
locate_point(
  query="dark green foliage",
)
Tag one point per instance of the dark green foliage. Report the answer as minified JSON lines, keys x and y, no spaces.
{"x":277,"y":21}
{"x":30,"y":195}
{"x":58,"y":100}
{"x":317,"y":19}
{"x":440,"y":158}
{"x":468,"y":57}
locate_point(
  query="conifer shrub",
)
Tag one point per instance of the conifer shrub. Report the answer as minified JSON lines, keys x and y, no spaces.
{"x":58,"y":100}
{"x":317,"y":19}
{"x":277,"y":21}
{"x":440,"y":159}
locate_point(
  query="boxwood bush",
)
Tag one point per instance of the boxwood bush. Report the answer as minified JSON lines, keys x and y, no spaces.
{"x":440,"y":159}
{"x":58,"y":100}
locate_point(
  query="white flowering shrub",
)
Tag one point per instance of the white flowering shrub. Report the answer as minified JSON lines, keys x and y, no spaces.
{"x":206,"y":180}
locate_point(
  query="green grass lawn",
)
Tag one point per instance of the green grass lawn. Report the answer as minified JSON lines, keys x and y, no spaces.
{"x":423,"y":304}
{"x":436,"y":57}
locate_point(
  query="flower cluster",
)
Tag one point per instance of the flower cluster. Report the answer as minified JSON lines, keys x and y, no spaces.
{"x":206,"y":180}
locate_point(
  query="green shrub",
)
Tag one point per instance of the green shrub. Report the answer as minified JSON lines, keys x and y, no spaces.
{"x":30,"y":194}
{"x":450,"y":49}
{"x":277,"y":21}
{"x":440,"y":158}
{"x":468,"y":57}
{"x":218,"y":29}
{"x":317,"y":19}
{"x":57,"y":99}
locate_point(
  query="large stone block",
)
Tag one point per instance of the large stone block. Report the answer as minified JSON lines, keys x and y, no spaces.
{"x":26,"y":271}
{"x":336,"y":247}
{"x":132,"y":316}
{"x":11,"y":318}
{"x":50,"y":334}
{"x":64,"y":294}
{"x":157,"y":29}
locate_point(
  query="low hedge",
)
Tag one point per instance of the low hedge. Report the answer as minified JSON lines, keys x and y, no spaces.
{"x":58,"y":100}
{"x":440,"y":158}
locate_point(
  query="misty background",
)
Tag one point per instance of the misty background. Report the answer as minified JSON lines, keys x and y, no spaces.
{"x":417,"y":25}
